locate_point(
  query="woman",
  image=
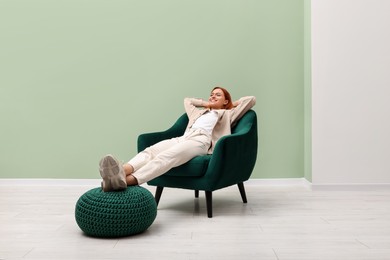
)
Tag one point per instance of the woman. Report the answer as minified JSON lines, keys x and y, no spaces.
{"x":204,"y":129}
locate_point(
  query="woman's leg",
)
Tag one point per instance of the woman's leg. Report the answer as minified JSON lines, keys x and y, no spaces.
{"x":180,"y":153}
{"x":144,"y":157}
{"x":128,"y":168}
{"x":130,"y":180}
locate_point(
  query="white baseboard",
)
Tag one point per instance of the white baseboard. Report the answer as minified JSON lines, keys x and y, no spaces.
{"x":50,"y":182}
{"x":251,"y":182}
{"x":96,"y":182}
{"x":351,"y":186}
{"x":279,"y":182}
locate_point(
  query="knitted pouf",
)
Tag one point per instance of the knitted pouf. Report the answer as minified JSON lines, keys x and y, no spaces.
{"x":116,"y":213}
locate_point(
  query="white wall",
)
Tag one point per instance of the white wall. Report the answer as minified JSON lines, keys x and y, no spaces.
{"x":350,"y":91}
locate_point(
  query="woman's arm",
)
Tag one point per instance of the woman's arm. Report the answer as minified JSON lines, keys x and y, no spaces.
{"x":241,"y":106}
{"x":190,"y":104}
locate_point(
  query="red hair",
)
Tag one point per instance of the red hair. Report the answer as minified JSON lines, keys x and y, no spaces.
{"x":226,"y":93}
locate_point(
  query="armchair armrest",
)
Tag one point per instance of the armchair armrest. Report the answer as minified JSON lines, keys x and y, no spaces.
{"x":148,"y":139}
{"x":234,"y":155}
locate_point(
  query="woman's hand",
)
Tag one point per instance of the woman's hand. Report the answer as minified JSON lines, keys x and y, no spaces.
{"x":206,"y":104}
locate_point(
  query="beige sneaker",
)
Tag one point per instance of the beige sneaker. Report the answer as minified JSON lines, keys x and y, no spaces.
{"x":114,"y":177}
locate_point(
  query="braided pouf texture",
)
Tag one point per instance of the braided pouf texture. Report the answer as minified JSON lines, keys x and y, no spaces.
{"x":115,"y":213}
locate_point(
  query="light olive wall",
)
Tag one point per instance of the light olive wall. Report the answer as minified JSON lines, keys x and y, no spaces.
{"x":80,"y":79}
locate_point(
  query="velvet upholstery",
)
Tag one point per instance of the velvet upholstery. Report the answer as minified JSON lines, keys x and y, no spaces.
{"x":231,"y":163}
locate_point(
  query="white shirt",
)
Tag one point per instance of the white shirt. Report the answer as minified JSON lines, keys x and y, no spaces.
{"x":206,"y":121}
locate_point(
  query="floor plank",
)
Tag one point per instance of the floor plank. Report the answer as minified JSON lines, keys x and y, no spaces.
{"x":278,"y":223}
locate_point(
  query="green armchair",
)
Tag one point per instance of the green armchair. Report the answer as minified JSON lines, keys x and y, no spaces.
{"x":231,"y":163}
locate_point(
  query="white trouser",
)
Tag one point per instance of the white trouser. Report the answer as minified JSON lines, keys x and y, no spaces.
{"x":163,"y":156}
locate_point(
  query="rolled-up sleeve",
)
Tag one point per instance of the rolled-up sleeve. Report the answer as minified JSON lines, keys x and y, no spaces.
{"x":191,"y":104}
{"x":245,"y":104}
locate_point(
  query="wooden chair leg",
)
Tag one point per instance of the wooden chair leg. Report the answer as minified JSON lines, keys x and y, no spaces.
{"x":209,"y":203}
{"x":159,"y":191}
{"x":196,"y":193}
{"x":242,"y":192}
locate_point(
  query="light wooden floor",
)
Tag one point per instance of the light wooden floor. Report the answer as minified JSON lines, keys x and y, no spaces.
{"x":279,"y":222}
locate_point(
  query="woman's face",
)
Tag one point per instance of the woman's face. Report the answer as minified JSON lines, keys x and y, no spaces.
{"x":217,"y":99}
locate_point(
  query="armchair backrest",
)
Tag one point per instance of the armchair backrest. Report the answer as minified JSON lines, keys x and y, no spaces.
{"x":232,"y":161}
{"x":235,"y":155}
{"x":243,"y":125}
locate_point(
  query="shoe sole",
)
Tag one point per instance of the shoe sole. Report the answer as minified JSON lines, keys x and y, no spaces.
{"x":112,"y":174}
{"x":109,"y":166}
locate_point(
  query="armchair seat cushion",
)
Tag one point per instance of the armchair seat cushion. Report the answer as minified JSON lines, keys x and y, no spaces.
{"x":196,"y":167}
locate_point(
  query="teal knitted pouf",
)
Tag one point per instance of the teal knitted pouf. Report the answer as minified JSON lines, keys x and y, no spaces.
{"x":116,"y":213}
